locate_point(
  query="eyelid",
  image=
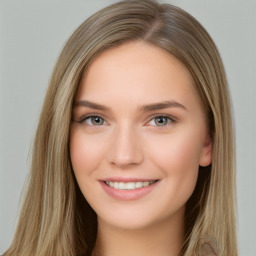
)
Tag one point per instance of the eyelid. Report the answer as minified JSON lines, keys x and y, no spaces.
{"x":83,"y":118}
{"x":171,"y":119}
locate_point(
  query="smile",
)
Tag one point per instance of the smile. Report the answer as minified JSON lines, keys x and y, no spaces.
{"x":128,"y":188}
{"x":129,"y":185}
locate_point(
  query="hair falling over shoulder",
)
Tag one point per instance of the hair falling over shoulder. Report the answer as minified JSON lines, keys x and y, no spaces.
{"x":55,"y":219}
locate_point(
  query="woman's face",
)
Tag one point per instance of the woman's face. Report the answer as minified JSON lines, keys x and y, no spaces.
{"x":138,"y":136}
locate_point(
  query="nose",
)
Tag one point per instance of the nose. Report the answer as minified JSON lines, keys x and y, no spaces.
{"x":126,"y":148}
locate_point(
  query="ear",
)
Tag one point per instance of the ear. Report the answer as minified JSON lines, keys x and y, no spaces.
{"x":206,"y":153}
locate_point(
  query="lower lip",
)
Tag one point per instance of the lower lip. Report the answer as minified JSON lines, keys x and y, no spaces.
{"x":131,"y":194}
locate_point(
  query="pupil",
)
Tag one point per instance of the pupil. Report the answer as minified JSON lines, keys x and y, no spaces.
{"x":97,"y":120}
{"x":161,"y":120}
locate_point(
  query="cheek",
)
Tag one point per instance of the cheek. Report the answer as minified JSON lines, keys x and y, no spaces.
{"x":176,"y":150}
{"x":178,"y":157}
{"x":85,"y":153}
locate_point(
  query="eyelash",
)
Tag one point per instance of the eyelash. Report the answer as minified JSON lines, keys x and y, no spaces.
{"x":88,"y":117}
{"x":169,"y":119}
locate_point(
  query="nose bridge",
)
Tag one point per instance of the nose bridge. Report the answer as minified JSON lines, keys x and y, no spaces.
{"x":126,"y":148}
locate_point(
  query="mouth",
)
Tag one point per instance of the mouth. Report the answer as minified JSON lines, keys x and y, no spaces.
{"x":129,"y":185}
{"x":121,"y":188}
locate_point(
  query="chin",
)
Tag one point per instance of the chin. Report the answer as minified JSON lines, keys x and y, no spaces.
{"x":140,"y":218}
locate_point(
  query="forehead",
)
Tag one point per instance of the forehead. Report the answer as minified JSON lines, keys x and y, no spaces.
{"x":137,"y":71}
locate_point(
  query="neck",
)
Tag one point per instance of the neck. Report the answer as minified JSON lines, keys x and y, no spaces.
{"x":164,"y":238}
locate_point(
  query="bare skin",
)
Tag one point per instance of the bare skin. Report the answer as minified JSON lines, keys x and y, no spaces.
{"x":137,"y":139}
{"x":159,"y":239}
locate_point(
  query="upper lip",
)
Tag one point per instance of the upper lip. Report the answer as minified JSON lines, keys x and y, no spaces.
{"x":127,"y":179}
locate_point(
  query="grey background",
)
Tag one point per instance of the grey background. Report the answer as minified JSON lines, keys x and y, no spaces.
{"x":31,"y":36}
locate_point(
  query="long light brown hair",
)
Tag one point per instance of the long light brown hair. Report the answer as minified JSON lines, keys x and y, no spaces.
{"x":55,"y":218}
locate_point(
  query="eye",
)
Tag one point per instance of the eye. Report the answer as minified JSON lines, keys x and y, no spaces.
{"x":160,"y":121}
{"x":94,"y":120}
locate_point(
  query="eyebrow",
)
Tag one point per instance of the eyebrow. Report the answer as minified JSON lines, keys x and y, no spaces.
{"x":89,"y":104}
{"x":144,"y":108}
{"x":162,"y":105}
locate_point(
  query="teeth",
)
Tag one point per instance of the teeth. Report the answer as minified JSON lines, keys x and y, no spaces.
{"x":138,"y":184}
{"x":129,"y":185}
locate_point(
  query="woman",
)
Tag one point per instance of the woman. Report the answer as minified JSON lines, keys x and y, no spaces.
{"x":134,"y":152}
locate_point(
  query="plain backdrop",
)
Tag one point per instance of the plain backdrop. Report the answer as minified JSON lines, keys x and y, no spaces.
{"x":32,"y":34}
